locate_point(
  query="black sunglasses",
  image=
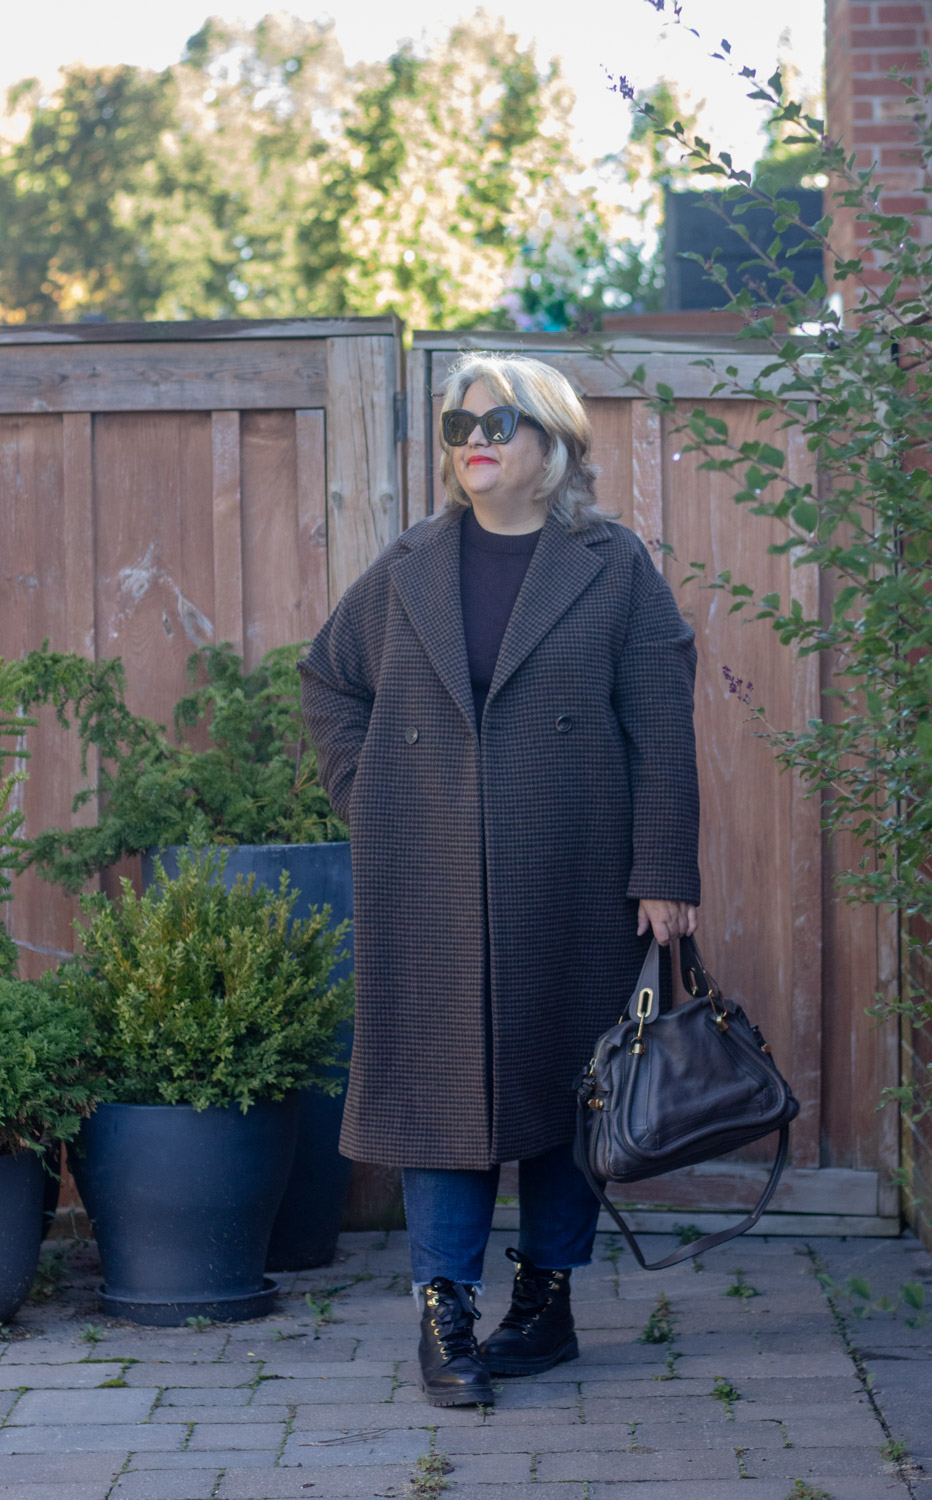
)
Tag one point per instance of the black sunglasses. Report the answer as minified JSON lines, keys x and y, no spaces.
{"x":498,"y":425}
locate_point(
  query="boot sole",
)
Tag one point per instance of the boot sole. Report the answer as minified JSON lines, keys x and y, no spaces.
{"x":531,"y":1366}
{"x":482,"y":1397}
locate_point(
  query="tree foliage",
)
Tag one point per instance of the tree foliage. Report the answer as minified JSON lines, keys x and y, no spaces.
{"x":262,"y":176}
{"x":254,"y":781}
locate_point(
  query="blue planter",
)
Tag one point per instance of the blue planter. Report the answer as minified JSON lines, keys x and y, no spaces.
{"x":182,"y":1202}
{"x":22,"y":1184}
{"x":308,"y":1222}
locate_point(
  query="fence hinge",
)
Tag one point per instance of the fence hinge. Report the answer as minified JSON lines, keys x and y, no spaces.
{"x":401,"y":417}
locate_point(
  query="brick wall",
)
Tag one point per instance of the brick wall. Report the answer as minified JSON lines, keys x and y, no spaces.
{"x":867,"y":111}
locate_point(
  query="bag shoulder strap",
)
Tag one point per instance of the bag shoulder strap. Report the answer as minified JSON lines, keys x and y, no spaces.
{"x":707,"y":1241}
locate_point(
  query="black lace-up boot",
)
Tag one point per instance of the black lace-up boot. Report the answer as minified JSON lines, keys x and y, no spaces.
{"x":452,"y":1370}
{"x":536,"y":1333}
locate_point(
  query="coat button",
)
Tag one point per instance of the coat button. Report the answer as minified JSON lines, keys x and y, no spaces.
{"x":564,"y":723}
{"x":411,"y":734}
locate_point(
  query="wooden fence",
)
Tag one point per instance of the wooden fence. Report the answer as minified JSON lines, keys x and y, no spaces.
{"x":164,"y":486}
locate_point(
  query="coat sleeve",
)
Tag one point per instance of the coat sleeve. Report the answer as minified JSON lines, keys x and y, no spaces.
{"x":654,"y":704}
{"x":337,"y":692}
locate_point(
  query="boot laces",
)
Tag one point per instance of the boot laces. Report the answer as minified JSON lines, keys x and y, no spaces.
{"x":530,"y":1293}
{"x":453,"y":1313}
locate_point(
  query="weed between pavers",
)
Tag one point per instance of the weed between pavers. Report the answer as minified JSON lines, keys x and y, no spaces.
{"x":429,"y":1477}
{"x":741,"y":1288}
{"x":858,"y":1293}
{"x":659,"y":1327}
{"x":893,"y":1450}
{"x":724,"y":1391}
{"x":92,"y":1334}
{"x":199,"y":1323}
{"x":803,"y":1491}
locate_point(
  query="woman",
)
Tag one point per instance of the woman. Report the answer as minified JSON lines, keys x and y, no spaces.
{"x":502,"y":710}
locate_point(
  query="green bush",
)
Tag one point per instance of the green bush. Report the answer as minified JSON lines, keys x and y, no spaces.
{"x":244,"y":770}
{"x":46,"y":1078}
{"x":207,"y":996}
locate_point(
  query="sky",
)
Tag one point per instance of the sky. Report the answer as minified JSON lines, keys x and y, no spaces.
{"x":592,"y":37}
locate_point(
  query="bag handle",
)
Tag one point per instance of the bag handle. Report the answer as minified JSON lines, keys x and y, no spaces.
{"x":706,"y":1241}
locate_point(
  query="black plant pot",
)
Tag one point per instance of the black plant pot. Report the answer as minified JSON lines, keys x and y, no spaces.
{"x":182,"y":1203}
{"x":308,"y":1220}
{"x":22,"y":1183}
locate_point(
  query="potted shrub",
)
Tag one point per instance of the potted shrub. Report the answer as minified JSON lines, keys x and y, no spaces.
{"x":45,"y":1089}
{"x":210,"y":1006}
{"x":238,"y":771}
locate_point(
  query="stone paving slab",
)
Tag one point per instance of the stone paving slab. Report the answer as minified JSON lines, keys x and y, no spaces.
{"x":331,"y":1449}
{"x":103,"y":1439}
{"x":61,"y":1469}
{"x":199,"y":1485}
{"x":295,"y":1484}
{"x":97,"y":1408}
{"x":98,"y":1491}
{"x":57,"y":1377}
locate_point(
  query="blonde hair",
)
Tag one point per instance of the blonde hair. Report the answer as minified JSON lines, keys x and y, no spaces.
{"x":567,"y":486}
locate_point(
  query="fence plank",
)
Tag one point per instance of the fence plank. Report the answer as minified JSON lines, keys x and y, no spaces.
{"x":647,"y":477}
{"x":363,"y":509}
{"x":163,"y":376}
{"x":311,"y":453}
{"x":271,"y":582}
{"x":806,"y":866}
{"x":227,"y":528}
{"x":420,"y":440}
{"x":611,"y":453}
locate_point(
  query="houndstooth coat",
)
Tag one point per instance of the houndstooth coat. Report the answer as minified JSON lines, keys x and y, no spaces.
{"x":525,"y":851}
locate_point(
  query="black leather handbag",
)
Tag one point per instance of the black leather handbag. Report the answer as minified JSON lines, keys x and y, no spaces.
{"x":669,"y":1088}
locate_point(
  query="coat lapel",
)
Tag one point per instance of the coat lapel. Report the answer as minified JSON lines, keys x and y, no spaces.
{"x":561,"y":568}
{"x":428,"y":581}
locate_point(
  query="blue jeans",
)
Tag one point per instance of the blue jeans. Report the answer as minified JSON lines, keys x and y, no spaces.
{"x":449,"y":1216}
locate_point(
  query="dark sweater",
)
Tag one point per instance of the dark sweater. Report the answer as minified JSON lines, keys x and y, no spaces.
{"x":492,"y":569}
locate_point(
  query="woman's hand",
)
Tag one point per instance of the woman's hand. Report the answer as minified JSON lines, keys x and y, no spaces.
{"x":669,"y":919}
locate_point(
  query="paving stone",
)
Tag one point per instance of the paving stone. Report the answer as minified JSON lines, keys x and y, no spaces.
{"x":60,"y":1408}
{"x":152,"y":1485}
{"x":211,"y":1375}
{"x":208,"y":1396}
{"x":103,"y":1439}
{"x":351,"y":1418}
{"x":231,"y":1436}
{"x":57,"y":1377}
{"x":44,"y":1352}
{"x":859,"y":1430}
{"x":60,"y":1468}
{"x":801,"y":1392}
{"x":493,"y":1468}
{"x":243,"y":1458}
{"x":810,"y":1463}
{"x":666,"y":1436}
{"x":765,"y":1366}
{"x":328,"y":1391}
{"x":8,"y":1400}
{"x":473,"y":1491}
{"x":91,"y":1491}
{"x":676,"y":1464}
{"x":336,"y":1484}
{"x":222,"y":1414}
{"x":364,"y":1446}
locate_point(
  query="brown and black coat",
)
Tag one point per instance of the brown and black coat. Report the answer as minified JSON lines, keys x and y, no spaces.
{"x":509,"y":865}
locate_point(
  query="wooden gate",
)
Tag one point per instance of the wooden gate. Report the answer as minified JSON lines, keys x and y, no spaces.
{"x":808,"y":966}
